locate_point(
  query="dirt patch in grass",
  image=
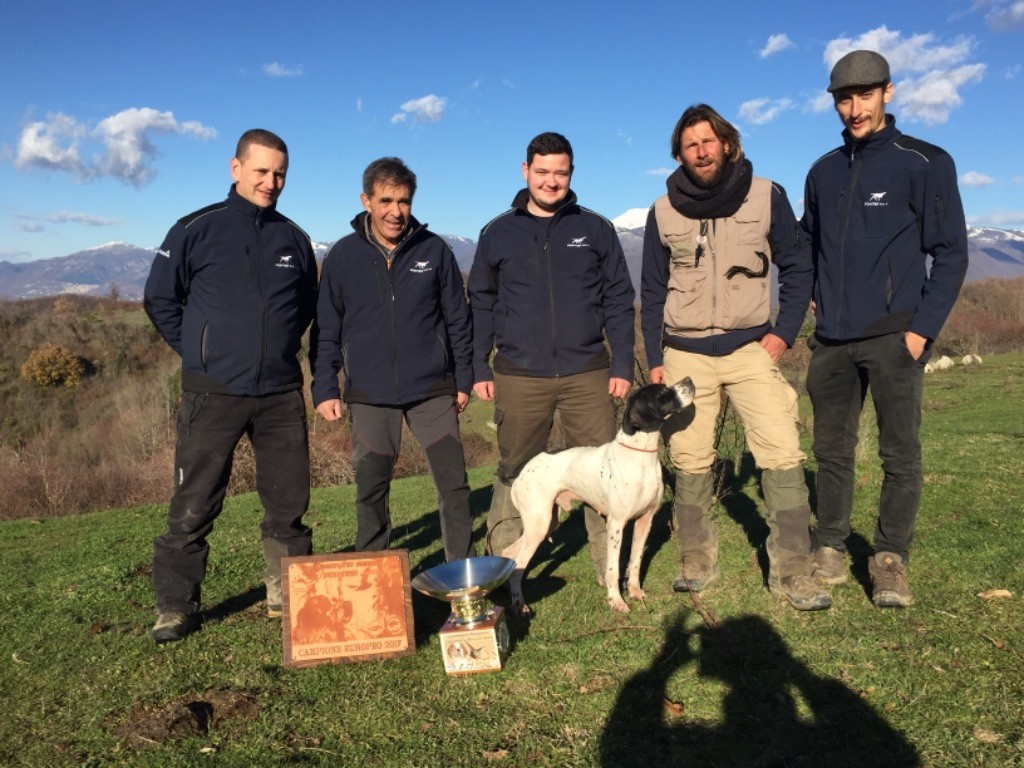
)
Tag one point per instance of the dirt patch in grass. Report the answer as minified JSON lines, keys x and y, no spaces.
{"x":145,"y":726}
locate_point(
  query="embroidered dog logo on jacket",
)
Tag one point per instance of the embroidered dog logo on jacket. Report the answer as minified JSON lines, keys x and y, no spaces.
{"x":876,"y":199}
{"x":285,"y":260}
{"x":578,"y":242}
{"x":420,"y":266}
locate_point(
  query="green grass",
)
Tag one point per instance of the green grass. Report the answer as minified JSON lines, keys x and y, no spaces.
{"x":938,"y":684}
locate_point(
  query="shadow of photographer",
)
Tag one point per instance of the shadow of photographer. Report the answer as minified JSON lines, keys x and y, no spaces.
{"x":775,"y":711}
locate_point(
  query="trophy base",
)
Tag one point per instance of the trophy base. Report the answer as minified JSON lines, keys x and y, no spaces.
{"x":482,"y":647}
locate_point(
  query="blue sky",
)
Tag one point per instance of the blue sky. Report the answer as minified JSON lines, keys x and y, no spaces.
{"x":117,"y":118}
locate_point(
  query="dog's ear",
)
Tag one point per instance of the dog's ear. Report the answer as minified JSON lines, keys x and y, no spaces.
{"x":628,"y":424}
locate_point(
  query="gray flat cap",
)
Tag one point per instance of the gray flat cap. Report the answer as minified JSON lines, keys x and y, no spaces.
{"x":859,"y":68}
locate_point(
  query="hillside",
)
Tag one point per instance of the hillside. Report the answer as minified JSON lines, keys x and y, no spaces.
{"x":120,"y":269}
{"x":733,"y":678}
{"x":106,"y":437}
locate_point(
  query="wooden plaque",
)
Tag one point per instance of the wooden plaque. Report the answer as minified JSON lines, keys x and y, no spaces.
{"x":347,"y":607}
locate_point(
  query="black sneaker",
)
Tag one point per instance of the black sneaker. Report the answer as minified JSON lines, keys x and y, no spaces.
{"x":173,"y":626}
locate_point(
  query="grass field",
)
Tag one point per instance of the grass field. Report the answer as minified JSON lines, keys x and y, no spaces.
{"x":738,"y":679}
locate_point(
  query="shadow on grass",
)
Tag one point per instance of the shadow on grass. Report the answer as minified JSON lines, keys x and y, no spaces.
{"x":775,"y":711}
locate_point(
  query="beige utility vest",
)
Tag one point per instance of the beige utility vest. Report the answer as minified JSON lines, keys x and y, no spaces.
{"x":701,"y":301}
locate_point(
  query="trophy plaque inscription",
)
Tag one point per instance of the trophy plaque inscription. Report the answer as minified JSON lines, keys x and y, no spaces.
{"x":346,"y":607}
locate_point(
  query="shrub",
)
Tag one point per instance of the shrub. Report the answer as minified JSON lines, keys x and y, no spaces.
{"x":49,"y":365}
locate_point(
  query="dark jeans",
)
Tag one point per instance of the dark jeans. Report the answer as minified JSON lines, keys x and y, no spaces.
{"x":376,"y":441}
{"x":209,"y":428}
{"x":839,"y":377}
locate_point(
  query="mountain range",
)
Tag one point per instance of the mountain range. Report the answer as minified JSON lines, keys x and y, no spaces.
{"x":122,"y":268}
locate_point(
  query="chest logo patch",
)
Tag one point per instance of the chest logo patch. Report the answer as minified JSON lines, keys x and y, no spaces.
{"x":420,"y":266}
{"x":876,"y":199}
{"x":578,"y":242}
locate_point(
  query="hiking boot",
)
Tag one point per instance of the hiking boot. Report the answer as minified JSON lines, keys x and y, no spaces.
{"x":828,"y":566}
{"x":801,"y":591}
{"x":173,"y":626}
{"x":274,"y":611}
{"x":889,"y":579}
{"x":695,"y":576}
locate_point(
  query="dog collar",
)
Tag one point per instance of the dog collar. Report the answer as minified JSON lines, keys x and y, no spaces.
{"x":641,"y":450}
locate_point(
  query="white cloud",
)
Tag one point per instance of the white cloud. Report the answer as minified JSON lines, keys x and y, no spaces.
{"x":763,"y":110}
{"x":275,"y":69}
{"x":1002,"y":15}
{"x":659,"y":171}
{"x":823,"y":102}
{"x":52,"y":144}
{"x":1011,"y":72}
{"x":933,"y":96}
{"x":25,"y":223}
{"x":625,"y":137}
{"x":508,"y":83}
{"x":127,"y":151}
{"x":476,"y":83}
{"x":88,"y":219}
{"x":975,"y":179}
{"x":934,"y":72}
{"x":428,"y":109}
{"x":775,"y":44}
{"x":999,"y":217}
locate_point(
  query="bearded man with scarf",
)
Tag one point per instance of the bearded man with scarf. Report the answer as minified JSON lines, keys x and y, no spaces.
{"x":706,"y":313}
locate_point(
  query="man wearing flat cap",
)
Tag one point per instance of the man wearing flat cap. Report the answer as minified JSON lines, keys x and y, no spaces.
{"x":877,"y":210}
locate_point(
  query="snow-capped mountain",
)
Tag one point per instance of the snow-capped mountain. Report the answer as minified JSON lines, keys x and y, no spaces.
{"x":994,"y":253}
{"x":634,"y":218}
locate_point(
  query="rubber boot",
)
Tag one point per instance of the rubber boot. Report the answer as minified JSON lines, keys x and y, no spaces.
{"x":273,"y":551}
{"x":789,"y":540}
{"x":504,"y":526}
{"x":695,"y":532}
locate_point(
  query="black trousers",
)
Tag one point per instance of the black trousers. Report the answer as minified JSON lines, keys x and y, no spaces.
{"x":839,"y":377}
{"x":209,"y":428}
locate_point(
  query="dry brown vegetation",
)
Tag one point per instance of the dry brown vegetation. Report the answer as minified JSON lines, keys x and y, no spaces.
{"x":109,"y":440}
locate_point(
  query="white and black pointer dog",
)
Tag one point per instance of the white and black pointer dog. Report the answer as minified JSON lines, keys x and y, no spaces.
{"x":622,"y":480}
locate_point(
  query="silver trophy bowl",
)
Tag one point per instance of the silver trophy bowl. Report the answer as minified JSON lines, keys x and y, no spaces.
{"x":465,"y":584}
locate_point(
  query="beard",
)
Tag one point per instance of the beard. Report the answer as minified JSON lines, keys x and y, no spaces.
{"x":705,"y":182}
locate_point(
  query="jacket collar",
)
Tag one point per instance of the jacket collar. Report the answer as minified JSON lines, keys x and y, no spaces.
{"x":247,"y":209}
{"x":523,"y":197}
{"x":875,"y":142}
{"x":361,"y":226}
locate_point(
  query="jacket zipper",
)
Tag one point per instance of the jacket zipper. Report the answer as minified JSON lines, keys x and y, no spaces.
{"x":551,"y":292}
{"x":388,"y":261}
{"x":855,"y":165}
{"x":260,"y":370}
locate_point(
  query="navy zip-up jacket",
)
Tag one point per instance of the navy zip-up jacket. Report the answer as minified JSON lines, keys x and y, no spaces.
{"x":546,"y":291}
{"x":875,"y":211}
{"x":402,"y":332}
{"x":232,"y":289}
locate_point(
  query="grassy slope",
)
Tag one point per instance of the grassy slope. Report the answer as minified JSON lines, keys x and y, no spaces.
{"x":939,"y":684}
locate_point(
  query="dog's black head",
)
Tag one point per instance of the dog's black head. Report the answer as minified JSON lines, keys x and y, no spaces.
{"x":648,"y":407}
